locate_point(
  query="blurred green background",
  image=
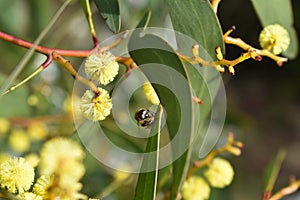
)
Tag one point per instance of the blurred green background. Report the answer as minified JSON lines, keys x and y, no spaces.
{"x":263,"y":99}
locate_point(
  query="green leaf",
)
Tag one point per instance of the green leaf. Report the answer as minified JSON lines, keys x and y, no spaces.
{"x":147,"y":182}
{"x":110,"y":11}
{"x":85,"y":7}
{"x":145,"y":20}
{"x":278,"y":12}
{"x":203,"y":26}
{"x":273,"y":169}
{"x":207,"y":84}
{"x":156,"y":59}
{"x":197,"y":19}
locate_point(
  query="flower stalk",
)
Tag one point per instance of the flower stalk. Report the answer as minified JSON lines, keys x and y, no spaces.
{"x":240,"y":43}
{"x":232,"y":146}
{"x":215,"y":5}
{"x":291,"y":188}
{"x":251,"y":52}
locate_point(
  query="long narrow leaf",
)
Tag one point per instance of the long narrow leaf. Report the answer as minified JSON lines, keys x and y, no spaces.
{"x":197,"y":19}
{"x":273,"y":170}
{"x":147,"y":182}
{"x":156,"y":59}
{"x":110,"y":11}
{"x":203,"y":26}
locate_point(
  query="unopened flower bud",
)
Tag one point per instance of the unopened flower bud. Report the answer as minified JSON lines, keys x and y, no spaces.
{"x":274,"y":38}
{"x":235,"y":151}
{"x":219,"y":53}
{"x":195,"y":187}
{"x":220,"y":69}
{"x":231,"y":70}
{"x":150,"y":93}
{"x":219,"y":173}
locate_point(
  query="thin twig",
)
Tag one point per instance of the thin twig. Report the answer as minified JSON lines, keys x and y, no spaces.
{"x":29,"y":53}
{"x":37,"y":71}
{"x":291,"y":188}
{"x":232,"y":146}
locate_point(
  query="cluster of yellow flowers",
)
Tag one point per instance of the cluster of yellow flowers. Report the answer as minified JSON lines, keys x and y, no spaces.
{"x":20,"y":139}
{"x":103,"y":68}
{"x":219,"y":174}
{"x":60,"y":166}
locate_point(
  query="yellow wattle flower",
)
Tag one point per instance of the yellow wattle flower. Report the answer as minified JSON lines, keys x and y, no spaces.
{"x":37,"y":131}
{"x":16,"y":175}
{"x":58,"y":156}
{"x":274,"y":38}
{"x":19,"y":141}
{"x":150,"y":93}
{"x":219,"y":173}
{"x":195,"y":188}
{"x":96,"y":108}
{"x":4,"y":126}
{"x":62,"y":167}
{"x":42,"y":184}
{"x":102,"y":67}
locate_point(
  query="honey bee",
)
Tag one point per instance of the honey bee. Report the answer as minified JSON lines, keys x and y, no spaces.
{"x":144,"y":117}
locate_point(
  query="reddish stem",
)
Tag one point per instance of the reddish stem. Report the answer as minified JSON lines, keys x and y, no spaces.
{"x":96,"y":41}
{"x":47,"y":62}
{"x":266,"y":195}
{"x":44,"y":50}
